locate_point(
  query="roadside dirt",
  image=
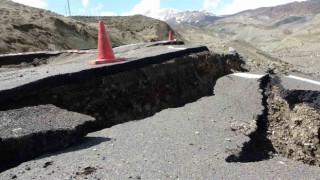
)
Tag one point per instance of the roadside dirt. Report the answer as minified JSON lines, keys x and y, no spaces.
{"x":294,"y":129}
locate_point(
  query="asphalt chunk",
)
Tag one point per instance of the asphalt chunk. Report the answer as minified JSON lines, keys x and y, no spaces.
{"x":28,"y":132}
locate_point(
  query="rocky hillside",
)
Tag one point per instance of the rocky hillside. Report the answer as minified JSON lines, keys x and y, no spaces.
{"x":24,"y":28}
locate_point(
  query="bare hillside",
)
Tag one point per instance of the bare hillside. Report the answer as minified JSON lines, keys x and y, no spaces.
{"x":270,"y":15}
{"x":131,"y":29}
{"x":24,"y":28}
{"x":289,"y":33}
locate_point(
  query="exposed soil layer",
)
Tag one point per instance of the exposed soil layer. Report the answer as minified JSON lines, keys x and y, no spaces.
{"x":138,"y":93}
{"x":288,"y":127}
{"x":294,"y":129}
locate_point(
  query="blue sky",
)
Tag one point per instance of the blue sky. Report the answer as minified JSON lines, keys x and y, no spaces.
{"x":128,"y":7}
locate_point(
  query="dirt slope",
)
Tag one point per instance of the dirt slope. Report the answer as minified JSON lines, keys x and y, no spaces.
{"x":24,"y":28}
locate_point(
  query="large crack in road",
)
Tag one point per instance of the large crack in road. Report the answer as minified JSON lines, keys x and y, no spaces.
{"x":294,"y":123}
{"x":111,"y":99}
{"x":259,"y":147}
{"x":189,"y":142}
{"x":274,"y":118}
{"x":289,"y":126}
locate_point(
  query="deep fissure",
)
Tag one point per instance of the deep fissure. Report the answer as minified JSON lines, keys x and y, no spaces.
{"x":288,"y":128}
{"x":135,"y":94}
{"x":294,"y":124}
{"x":259,"y":147}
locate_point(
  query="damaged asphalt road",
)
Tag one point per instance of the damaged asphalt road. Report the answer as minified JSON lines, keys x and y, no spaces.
{"x":17,"y":83}
{"x":297,"y":88}
{"x":237,"y":130}
{"x":190,"y":142}
{"x":31,"y":120}
{"x":28,"y":132}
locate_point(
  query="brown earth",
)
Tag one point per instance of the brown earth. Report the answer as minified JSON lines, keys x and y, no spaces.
{"x":294,"y":129}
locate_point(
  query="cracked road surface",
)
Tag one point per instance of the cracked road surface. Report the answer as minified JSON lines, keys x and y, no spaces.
{"x":190,"y":142}
{"x":28,"y":132}
{"x":19,"y":82}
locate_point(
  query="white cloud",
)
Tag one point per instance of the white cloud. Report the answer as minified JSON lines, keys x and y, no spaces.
{"x":144,"y":7}
{"x":210,"y":4}
{"x":107,"y":13}
{"x":33,"y":3}
{"x":82,"y":11}
{"x":241,"y":5}
{"x":97,"y":8}
{"x":94,"y":11}
{"x":85,"y":3}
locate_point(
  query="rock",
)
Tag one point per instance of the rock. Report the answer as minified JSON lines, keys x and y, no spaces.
{"x":47,"y":164}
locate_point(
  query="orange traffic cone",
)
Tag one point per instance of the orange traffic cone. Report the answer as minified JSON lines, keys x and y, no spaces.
{"x":170,"y":36}
{"x":105,"y":52}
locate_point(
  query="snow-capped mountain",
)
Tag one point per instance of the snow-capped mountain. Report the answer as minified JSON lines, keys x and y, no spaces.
{"x":162,"y":14}
{"x":173,"y":16}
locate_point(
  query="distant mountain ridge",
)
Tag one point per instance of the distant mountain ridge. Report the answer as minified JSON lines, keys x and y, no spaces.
{"x":266,"y":15}
{"x":290,"y":32}
{"x":304,"y":8}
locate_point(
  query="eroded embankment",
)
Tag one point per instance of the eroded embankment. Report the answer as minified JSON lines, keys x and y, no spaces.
{"x":126,"y":96}
{"x":287,"y":127}
{"x":294,"y":127}
{"x":137,"y":93}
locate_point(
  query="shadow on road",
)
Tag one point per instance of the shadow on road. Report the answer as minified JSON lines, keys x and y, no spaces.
{"x":84,"y":143}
